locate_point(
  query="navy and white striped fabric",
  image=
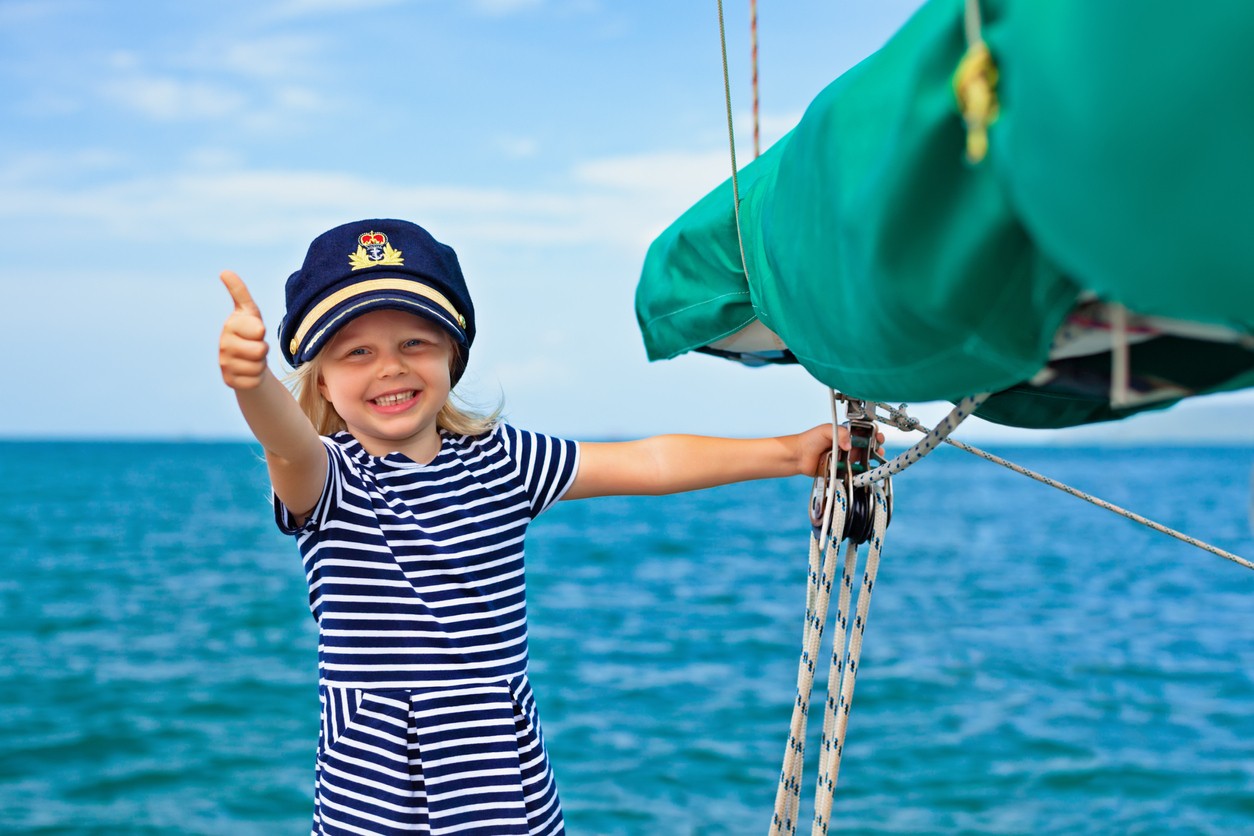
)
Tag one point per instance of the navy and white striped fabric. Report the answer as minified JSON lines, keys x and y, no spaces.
{"x":416,"y":581}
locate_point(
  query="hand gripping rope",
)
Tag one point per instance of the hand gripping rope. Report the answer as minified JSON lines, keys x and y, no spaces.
{"x":851,"y":502}
{"x":840,"y":511}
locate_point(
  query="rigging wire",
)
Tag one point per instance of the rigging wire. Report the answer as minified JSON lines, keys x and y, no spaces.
{"x":898,"y":418}
{"x":731,"y":139}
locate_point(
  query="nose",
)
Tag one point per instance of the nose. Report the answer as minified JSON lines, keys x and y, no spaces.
{"x":391,"y":364}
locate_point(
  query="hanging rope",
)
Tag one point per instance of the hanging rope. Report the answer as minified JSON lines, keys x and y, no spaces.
{"x":836,"y":499}
{"x":818,"y":594}
{"x":844,"y":665}
{"x":843,"y":669}
{"x":731,"y":139}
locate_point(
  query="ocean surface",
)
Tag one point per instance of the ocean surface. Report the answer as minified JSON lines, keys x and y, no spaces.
{"x":1032,"y":664}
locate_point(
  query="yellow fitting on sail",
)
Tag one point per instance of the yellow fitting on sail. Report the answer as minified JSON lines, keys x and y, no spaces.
{"x":975,"y":88}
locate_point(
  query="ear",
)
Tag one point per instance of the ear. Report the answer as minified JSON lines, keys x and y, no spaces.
{"x":322,"y":388}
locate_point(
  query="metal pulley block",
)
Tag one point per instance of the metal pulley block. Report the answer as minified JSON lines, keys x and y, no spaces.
{"x":861,"y":457}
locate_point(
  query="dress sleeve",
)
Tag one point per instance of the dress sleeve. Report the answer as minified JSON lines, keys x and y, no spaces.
{"x":332,"y":490}
{"x":547,"y":465}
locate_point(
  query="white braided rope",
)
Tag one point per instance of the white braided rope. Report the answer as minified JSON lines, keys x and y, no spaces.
{"x":846,"y":653}
{"x":819,"y":582}
{"x":961,"y":411}
{"x":844,"y":667}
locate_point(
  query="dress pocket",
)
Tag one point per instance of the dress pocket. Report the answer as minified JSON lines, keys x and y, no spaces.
{"x":526,"y":717}
{"x":367,"y":780}
{"x":339,"y":707}
{"x":376,"y":721}
{"x":365,"y":734}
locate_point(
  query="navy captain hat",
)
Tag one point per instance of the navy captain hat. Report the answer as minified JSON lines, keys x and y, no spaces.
{"x":371,"y":265}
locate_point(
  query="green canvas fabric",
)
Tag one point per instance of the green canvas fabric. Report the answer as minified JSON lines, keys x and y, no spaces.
{"x":894,"y":270}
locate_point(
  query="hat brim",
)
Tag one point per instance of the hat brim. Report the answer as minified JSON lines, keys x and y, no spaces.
{"x":330,"y":321}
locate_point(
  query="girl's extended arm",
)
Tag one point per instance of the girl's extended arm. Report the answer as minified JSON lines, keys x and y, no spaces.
{"x":294,"y":455}
{"x":675,"y":463}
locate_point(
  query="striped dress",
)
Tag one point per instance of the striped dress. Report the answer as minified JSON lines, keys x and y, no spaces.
{"x":416,"y":582}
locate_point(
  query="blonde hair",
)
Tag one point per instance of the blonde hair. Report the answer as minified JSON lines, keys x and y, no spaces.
{"x":303,"y":382}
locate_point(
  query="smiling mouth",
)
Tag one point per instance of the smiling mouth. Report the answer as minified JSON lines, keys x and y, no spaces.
{"x":395,"y":398}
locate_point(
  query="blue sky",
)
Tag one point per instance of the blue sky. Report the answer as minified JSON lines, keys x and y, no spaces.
{"x":148,"y":145}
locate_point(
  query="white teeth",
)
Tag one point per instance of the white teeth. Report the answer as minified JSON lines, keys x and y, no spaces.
{"x":392,"y":400}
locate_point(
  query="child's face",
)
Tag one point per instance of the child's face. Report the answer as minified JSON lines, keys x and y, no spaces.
{"x":387,"y":375}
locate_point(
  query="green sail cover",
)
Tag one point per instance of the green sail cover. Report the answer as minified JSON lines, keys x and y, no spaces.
{"x":1121,"y":166}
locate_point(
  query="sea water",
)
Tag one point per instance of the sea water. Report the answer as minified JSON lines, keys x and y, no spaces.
{"x":1032,"y":664}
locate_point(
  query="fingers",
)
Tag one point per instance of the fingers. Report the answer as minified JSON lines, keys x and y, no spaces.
{"x":242,"y":347}
{"x":815,"y":442}
{"x":239,"y":293}
{"x":242,"y":360}
{"x":236,"y":347}
{"x":246,"y":325}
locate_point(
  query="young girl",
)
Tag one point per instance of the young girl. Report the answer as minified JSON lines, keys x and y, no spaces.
{"x":410,"y":515}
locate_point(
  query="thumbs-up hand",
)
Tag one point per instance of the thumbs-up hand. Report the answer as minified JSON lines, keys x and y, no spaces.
{"x":242,"y":348}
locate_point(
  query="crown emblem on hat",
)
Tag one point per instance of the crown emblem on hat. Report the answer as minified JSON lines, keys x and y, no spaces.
{"x":373,"y":250}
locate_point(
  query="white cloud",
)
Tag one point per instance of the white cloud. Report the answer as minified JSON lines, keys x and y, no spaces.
{"x":774,"y":126}
{"x":165,"y":98}
{"x":216,"y":158}
{"x":651,"y":190}
{"x":673,"y":171}
{"x":123,"y":60}
{"x":619,"y":202}
{"x":272,"y":57}
{"x":259,"y":82}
